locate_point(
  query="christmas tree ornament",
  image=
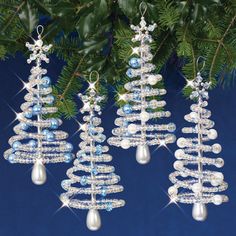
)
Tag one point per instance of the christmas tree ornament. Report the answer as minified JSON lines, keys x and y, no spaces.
{"x":37,"y":140}
{"x":134,"y":127}
{"x":192,"y":182}
{"x":96,"y":180}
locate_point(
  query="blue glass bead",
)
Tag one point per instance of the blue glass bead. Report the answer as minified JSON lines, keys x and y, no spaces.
{"x":91,"y":130}
{"x":80,"y":155}
{"x":83,"y":180}
{"x":11,"y":158}
{"x":37,"y":109}
{"x":98,"y":150}
{"x":129,"y":73}
{"x":65,"y":182}
{"x":94,"y":171}
{"x":32,"y":143}
{"x":127,"y":109}
{"x":52,"y":98}
{"x":68,"y":157}
{"x":102,"y":138}
{"x":50,"y":136}
{"x":45,"y":131}
{"x":136,"y":96}
{"x":28,"y":114}
{"x":125,"y":123}
{"x":16,"y":145}
{"x":109,"y":206}
{"x":46,"y":81}
{"x":54,"y":123}
{"x":24,"y":126}
{"x":104,"y":191}
{"x":134,"y":62}
{"x":69,"y":147}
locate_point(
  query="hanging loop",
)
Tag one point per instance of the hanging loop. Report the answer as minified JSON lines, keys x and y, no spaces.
{"x":94,"y":72}
{"x":143,"y":8}
{"x":40,"y":30}
{"x":200,"y":60}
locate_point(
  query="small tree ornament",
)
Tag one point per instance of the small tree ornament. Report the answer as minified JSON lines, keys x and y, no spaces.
{"x":141,"y":106}
{"x":201,"y":185}
{"x":37,"y":140}
{"x":97,"y":180}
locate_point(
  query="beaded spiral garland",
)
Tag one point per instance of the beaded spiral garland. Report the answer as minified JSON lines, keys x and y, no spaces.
{"x":201,"y":186}
{"x":99,"y":180}
{"x":37,"y":140}
{"x":133,"y":129}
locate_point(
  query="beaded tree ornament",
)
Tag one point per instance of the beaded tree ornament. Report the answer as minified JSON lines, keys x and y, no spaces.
{"x":198,"y":185}
{"x":37,"y":140}
{"x":141,"y":105}
{"x":90,"y":176}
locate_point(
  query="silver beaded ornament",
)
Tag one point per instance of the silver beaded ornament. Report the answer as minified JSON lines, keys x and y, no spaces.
{"x":37,"y":140}
{"x":89,"y":176}
{"x":192,"y":182}
{"x":141,"y":106}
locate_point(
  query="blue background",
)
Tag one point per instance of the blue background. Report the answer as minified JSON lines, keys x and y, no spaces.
{"x":29,"y":210}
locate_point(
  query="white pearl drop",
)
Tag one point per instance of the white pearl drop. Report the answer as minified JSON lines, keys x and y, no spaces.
{"x":197,"y":187}
{"x":193,"y":115}
{"x":216,"y":148}
{"x":217,"y":199}
{"x":125,"y":143}
{"x":152,"y":80}
{"x":179,"y":153}
{"x":178,"y":165}
{"x":132,"y":128}
{"x":212,"y":134}
{"x":181,"y":142}
{"x":199,"y":212}
{"x":144,"y":116}
{"x":38,"y":175}
{"x":93,"y":220}
{"x":143,"y":154}
{"x":172,"y":190}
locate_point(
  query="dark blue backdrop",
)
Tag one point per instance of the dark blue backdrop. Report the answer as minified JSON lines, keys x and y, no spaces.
{"x":29,"y":210}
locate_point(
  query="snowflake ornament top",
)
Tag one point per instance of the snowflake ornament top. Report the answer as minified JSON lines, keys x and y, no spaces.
{"x":134,"y":124}
{"x":91,"y":180}
{"x":192,"y":182}
{"x":37,"y":140}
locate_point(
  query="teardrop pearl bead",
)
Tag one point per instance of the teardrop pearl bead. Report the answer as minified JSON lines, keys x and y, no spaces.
{"x":199,"y":212}
{"x":38,"y":175}
{"x":93,"y":220}
{"x":143,"y":154}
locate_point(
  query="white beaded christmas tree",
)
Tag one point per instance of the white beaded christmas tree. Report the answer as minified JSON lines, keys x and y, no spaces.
{"x":90,"y":177}
{"x":37,"y":140}
{"x":141,"y":103}
{"x":193,"y":183}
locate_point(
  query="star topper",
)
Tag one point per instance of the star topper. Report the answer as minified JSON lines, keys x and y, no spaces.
{"x":38,"y":49}
{"x":142,"y":30}
{"x":198,"y":85}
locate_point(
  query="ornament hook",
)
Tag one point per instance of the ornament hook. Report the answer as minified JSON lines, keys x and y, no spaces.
{"x":200,"y":60}
{"x":143,"y":8}
{"x":94,"y":72}
{"x":40,"y":30}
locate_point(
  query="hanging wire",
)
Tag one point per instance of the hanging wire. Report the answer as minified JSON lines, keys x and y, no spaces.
{"x":200,"y":60}
{"x":143,"y":8}
{"x":94,"y":72}
{"x":40,"y":30}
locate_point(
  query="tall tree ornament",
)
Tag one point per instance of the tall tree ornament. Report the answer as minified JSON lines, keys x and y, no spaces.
{"x":193,"y":183}
{"x":97,"y":180}
{"x":37,"y":140}
{"x":141,"y":103}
